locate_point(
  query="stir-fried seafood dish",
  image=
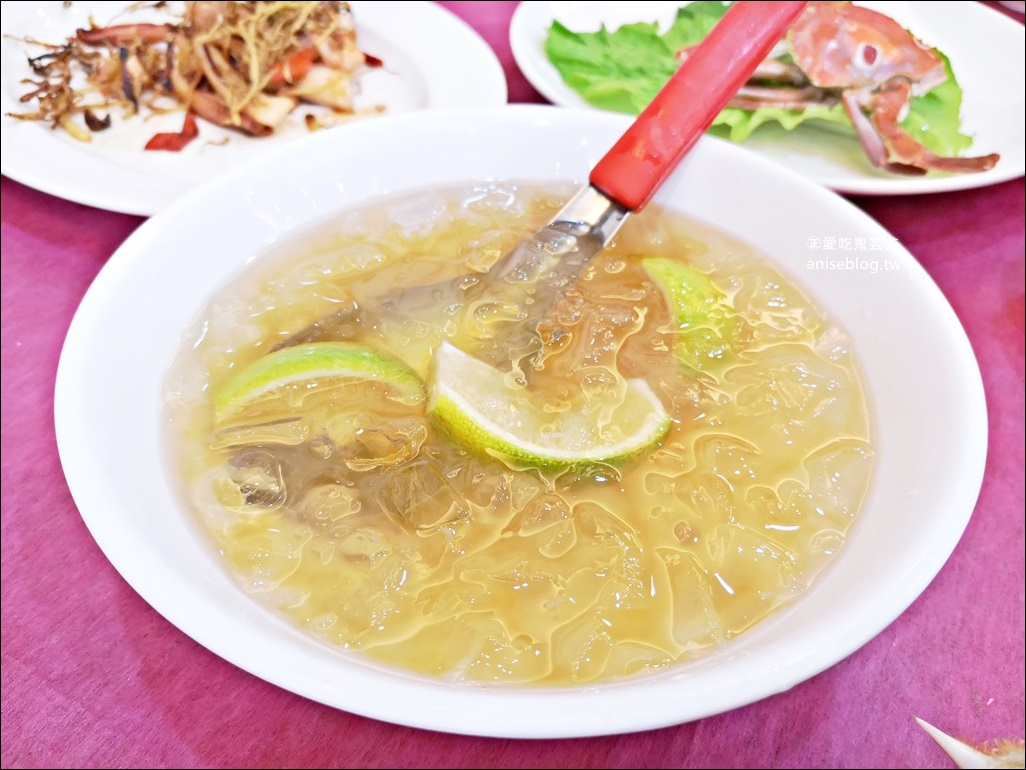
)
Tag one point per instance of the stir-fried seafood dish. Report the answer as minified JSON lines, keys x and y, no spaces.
{"x":240,"y":65}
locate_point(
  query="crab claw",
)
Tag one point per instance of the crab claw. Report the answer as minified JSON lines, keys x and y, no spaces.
{"x":887,"y":144}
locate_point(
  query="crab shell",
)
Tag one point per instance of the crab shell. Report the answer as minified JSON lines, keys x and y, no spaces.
{"x":840,"y":45}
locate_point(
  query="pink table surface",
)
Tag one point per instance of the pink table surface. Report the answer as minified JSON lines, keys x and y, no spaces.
{"x":94,"y":677}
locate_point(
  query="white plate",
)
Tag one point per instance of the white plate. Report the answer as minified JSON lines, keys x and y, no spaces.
{"x":987,"y":53}
{"x":922,"y":381}
{"x":432,"y":60}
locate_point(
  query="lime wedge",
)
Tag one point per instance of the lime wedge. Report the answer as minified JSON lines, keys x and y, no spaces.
{"x":472,"y":403}
{"x":312,"y":365}
{"x":707,"y":326}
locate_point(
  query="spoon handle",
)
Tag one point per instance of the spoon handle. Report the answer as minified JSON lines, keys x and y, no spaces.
{"x":631,"y":172}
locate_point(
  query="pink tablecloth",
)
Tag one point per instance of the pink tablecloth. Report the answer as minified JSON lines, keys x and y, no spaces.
{"x":93,"y":677}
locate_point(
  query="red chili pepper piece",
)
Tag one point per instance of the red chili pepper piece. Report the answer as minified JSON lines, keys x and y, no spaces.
{"x":174,"y":142}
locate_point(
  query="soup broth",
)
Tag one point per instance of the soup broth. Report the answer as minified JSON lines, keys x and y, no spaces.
{"x":343,"y":507}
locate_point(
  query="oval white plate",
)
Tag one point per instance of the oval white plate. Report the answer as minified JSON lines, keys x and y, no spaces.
{"x":989,"y":63}
{"x":923,"y":385}
{"x":432,"y":60}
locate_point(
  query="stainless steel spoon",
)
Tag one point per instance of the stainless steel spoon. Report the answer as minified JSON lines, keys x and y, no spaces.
{"x":627,"y":177}
{"x":533,"y":274}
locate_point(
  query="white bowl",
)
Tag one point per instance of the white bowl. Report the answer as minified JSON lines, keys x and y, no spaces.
{"x":923,"y":384}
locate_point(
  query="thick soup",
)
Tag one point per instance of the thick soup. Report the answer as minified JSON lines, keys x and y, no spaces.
{"x":299,"y":424}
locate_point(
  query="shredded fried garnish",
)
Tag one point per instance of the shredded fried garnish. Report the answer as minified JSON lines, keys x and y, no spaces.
{"x":242,"y":65}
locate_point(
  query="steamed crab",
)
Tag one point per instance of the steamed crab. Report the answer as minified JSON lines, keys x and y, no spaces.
{"x":865,"y":60}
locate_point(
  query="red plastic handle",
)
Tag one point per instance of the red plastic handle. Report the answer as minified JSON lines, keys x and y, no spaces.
{"x":631,"y":172}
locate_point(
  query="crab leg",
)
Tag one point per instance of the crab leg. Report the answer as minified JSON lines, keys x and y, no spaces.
{"x":770,"y":69}
{"x":752,"y":97}
{"x":886,"y":106}
{"x":872,"y":142}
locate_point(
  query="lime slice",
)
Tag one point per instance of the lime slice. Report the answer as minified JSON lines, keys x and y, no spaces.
{"x":471,"y":402}
{"x":707,"y":325}
{"x":313,"y":364}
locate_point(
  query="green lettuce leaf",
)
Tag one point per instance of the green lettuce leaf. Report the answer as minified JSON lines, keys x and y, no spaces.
{"x":693,"y":22}
{"x":622,"y":70}
{"x":619,"y":71}
{"x":934,"y":119}
{"x":737,"y":124}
